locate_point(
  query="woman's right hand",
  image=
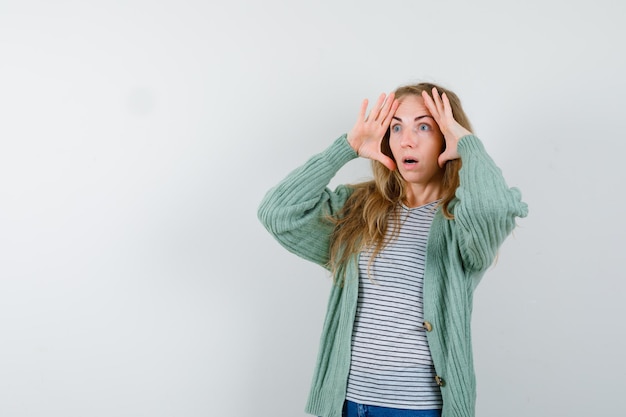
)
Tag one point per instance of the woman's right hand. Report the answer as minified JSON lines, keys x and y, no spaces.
{"x":368,"y":131}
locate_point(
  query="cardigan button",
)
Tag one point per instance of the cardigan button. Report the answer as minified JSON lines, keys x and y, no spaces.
{"x":428,"y":326}
{"x":440,"y":381}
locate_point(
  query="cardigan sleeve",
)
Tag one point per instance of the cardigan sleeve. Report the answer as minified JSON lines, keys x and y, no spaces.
{"x":486,"y":207}
{"x":295,"y":210}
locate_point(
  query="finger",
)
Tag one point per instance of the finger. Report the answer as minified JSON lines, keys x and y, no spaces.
{"x":363,"y":110}
{"x":430,"y":104}
{"x":392,"y":111}
{"x":444,"y":157}
{"x":433,"y":108}
{"x":386,"y":108}
{"x":386,"y":161}
{"x":375,"y":113}
{"x":447,"y":107}
{"x":437,"y":100}
{"x":389,"y":100}
{"x":442,"y":160}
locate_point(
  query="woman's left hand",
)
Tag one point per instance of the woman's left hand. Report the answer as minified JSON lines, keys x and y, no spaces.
{"x":452,"y":131}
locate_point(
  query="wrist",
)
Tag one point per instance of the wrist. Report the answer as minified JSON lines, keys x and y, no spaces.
{"x":352,"y":142}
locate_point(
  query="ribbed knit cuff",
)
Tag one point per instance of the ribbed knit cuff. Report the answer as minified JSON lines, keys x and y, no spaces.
{"x":469,"y":144}
{"x":340,"y":152}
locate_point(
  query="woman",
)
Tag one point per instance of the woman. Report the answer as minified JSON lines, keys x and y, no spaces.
{"x":406,"y":251}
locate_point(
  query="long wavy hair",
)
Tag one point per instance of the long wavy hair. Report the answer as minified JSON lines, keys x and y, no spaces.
{"x":364,"y":219}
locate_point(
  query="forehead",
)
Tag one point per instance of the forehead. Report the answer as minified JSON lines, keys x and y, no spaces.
{"x":411,"y":106}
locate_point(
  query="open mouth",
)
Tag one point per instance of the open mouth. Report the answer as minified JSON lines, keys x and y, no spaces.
{"x":410,"y":161}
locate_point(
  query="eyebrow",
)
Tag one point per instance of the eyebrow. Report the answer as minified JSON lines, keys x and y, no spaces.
{"x":416,"y":119}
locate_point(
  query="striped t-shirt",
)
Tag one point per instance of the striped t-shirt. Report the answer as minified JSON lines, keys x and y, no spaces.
{"x":391,"y":364}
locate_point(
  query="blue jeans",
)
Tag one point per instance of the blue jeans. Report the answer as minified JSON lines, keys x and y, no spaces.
{"x":351,"y":409}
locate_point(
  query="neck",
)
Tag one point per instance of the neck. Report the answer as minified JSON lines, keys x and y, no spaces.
{"x":417,"y":195}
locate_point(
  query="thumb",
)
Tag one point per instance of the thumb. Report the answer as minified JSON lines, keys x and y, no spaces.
{"x":443,"y":158}
{"x":386,"y":161}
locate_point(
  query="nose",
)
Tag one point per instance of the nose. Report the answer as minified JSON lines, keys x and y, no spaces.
{"x":408,"y":139}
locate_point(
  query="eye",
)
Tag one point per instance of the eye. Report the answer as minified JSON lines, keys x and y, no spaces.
{"x":395,"y":128}
{"x":423,"y":127}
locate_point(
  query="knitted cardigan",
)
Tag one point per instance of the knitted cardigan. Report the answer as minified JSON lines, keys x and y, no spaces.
{"x":458,"y":253}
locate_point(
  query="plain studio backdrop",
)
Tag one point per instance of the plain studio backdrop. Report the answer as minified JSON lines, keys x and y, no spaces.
{"x":138,"y":138}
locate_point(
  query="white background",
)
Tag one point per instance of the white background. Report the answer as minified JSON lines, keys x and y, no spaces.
{"x":138,"y":137}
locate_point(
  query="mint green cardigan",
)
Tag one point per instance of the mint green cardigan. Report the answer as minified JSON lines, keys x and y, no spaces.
{"x":458,"y":253}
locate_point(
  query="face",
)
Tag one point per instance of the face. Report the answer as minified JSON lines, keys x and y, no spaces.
{"x":416,"y":142}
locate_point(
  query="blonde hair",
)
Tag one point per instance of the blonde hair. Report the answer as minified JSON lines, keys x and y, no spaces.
{"x":364,"y":219}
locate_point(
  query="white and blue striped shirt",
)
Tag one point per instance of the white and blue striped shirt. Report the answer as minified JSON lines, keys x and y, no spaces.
{"x":391,"y":364}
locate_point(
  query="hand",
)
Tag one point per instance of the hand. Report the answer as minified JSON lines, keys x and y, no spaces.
{"x":452,"y":131}
{"x":368,"y":132}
